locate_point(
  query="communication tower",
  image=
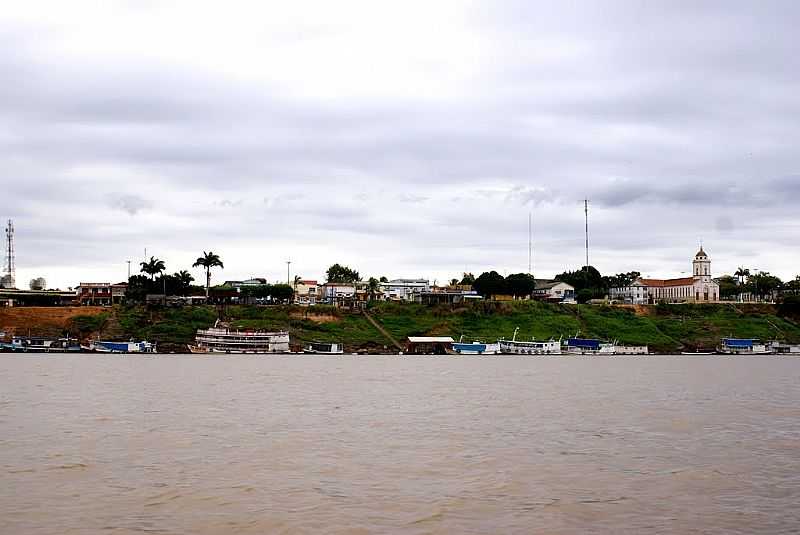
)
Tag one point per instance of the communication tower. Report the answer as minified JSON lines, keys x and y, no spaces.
{"x":8,"y":279}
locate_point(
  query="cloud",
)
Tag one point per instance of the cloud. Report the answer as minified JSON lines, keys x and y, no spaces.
{"x":131,"y":204}
{"x":327,"y":134}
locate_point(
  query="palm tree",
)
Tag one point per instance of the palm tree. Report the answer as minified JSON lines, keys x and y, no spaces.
{"x":184,"y":278}
{"x":374,"y":284}
{"x":208,"y":261}
{"x":153,"y":267}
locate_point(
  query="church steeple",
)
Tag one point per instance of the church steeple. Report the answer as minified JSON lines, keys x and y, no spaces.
{"x":701,"y":266}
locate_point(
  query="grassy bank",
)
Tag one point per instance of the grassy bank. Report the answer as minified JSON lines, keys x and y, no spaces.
{"x":664,"y":327}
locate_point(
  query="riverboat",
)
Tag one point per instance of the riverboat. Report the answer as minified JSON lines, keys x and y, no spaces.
{"x":224,"y":340}
{"x":743,"y":346}
{"x":588,"y":346}
{"x":41,"y":344}
{"x":106,"y":346}
{"x":473,"y":348}
{"x":532,"y":347}
{"x":696,"y":353}
{"x":324,"y":348}
{"x":781,"y":348}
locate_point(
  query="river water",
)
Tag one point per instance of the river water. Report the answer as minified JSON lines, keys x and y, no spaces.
{"x":193,"y":444}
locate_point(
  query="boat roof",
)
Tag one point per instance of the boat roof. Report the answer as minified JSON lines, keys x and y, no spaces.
{"x":431,"y":339}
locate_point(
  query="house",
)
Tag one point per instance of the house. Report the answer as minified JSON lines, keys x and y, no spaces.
{"x":100,"y":293}
{"x":337,"y":293}
{"x":404,"y":289}
{"x":553,"y":290}
{"x":446,"y":296}
{"x":699,"y":288}
{"x":305,"y":292}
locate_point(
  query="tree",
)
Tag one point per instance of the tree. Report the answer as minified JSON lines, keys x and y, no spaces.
{"x":728,"y":286}
{"x":489,"y":284}
{"x":621,"y":280}
{"x":383,"y":279}
{"x":373,"y":285}
{"x":184,"y":279}
{"x":152,"y":267}
{"x":453,"y":282}
{"x":584,"y":295}
{"x":38,"y":283}
{"x":339,"y":273}
{"x":520,"y":284}
{"x":207,"y":261}
{"x":467,"y":280}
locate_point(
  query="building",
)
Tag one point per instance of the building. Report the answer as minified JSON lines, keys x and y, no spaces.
{"x":555,"y":291}
{"x":257,"y":281}
{"x":305,"y":292}
{"x":428,"y":345}
{"x":337,"y":293}
{"x":404,"y":289}
{"x":446,"y":296}
{"x":699,"y":288}
{"x":100,"y":293}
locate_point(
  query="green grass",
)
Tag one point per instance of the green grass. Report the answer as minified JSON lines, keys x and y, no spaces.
{"x":665,"y":328}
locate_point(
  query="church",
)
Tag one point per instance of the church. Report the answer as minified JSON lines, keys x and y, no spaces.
{"x":699,"y":288}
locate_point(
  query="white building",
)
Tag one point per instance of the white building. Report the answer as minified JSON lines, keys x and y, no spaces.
{"x":305,"y":292}
{"x":699,"y":288}
{"x":552,"y":290}
{"x":404,"y":289}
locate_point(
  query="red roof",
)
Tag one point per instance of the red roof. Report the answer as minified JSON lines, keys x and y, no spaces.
{"x":663,"y":283}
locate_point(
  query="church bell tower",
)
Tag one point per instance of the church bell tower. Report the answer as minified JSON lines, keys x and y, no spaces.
{"x":702,"y":266}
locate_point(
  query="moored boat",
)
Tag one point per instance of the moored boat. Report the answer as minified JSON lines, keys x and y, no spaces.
{"x":743,"y":346}
{"x":107,"y":346}
{"x":42,"y":344}
{"x":324,"y":348}
{"x":223,"y":340}
{"x":532,"y":347}
{"x":473,"y":348}
{"x":588,"y":346}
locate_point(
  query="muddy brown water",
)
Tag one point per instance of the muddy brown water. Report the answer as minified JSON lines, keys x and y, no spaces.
{"x":314,"y":444}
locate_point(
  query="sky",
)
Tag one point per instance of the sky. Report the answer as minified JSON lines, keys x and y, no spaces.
{"x":404,"y":139}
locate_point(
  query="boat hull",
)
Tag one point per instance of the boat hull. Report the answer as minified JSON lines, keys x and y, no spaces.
{"x":475,"y":348}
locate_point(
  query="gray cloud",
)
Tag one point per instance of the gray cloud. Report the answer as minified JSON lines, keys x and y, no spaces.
{"x":677,"y":120}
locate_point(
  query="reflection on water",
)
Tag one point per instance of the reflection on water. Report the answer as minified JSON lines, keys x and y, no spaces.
{"x":181,"y":444}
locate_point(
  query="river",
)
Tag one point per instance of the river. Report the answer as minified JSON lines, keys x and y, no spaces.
{"x":206,"y":445}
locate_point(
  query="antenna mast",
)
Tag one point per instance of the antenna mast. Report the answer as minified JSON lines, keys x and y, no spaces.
{"x":8,"y":279}
{"x":530,"y":247}
{"x":586,"y":211}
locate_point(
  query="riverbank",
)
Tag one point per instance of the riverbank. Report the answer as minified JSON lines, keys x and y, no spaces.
{"x":664,"y":328}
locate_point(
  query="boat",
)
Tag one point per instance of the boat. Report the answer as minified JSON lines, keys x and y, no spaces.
{"x":532,"y":347}
{"x":42,"y":344}
{"x":106,"y":346}
{"x":743,"y":346}
{"x":588,"y":346}
{"x":698,"y":352}
{"x":220,"y":339}
{"x":781,"y":348}
{"x":324,"y":348}
{"x":474,"y":348}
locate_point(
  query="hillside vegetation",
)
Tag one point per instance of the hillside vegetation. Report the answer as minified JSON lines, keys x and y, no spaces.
{"x":663,"y":327}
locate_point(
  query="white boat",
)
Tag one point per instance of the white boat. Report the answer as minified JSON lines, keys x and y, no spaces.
{"x":105,"y":346}
{"x":41,"y":344}
{"x":697,"y":353}
{"x":324,"y":348}
{"x":474,"y":348}
{"x":224,"y":340}
{"x":781,"y":348}
{"x":743,"y":346}
{"x":532,"y":347}
{"x":588,"y":346}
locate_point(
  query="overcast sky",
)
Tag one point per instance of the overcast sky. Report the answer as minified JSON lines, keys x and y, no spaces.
{"x":406,"y":139}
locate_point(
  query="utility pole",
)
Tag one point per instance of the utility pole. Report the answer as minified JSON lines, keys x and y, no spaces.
{"x":129,"y":269}
{"x":288,"y":279}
